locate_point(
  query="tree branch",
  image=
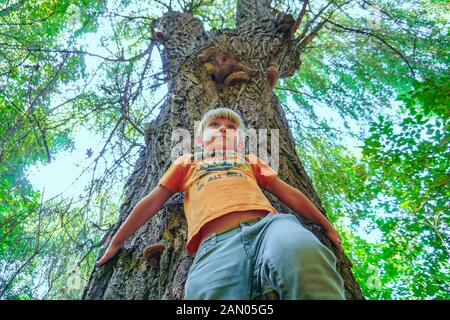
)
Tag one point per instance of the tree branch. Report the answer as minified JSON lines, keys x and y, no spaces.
{"x":378,"y":37}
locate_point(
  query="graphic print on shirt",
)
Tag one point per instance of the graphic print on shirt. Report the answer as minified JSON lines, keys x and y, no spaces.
{"x":222,"y":169}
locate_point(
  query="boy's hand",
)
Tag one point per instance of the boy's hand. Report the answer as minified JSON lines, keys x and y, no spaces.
{"x":109,"y":253}
{"x":334,"y":237}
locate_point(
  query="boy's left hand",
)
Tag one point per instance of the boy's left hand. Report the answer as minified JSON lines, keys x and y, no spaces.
{"x":334,"y":237}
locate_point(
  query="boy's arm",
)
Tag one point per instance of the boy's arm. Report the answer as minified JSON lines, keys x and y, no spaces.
{"x":145,"y":209}
{"x":297,"y":201}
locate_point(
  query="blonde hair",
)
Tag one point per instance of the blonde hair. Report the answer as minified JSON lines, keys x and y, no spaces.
{"x":220,"y":113}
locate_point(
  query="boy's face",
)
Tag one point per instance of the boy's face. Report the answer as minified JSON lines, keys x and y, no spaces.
{"x":219,"y":134}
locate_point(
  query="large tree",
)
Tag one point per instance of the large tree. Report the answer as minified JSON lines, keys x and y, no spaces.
{"x":235,"y":67}
{"x":82,"y":79}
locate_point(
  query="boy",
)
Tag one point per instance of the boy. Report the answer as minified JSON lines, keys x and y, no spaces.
{"x":244,"y":247}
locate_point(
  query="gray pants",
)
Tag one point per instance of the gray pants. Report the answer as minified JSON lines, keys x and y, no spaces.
{"x":271,"y":253}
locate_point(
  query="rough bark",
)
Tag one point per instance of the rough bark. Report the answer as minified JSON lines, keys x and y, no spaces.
{"x":256,"y":43}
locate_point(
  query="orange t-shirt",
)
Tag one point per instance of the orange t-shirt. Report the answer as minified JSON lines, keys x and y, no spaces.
{"x":218,"y":185}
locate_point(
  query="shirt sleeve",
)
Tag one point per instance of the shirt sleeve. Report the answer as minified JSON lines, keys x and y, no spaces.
{"x":264,"y":174}
{"x":173,"y":178}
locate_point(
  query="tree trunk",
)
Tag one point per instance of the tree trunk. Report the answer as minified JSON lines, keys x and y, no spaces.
{"x":202,"y":79}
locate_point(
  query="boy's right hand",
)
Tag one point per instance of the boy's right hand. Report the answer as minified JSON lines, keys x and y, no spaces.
{"x":109,"y":253}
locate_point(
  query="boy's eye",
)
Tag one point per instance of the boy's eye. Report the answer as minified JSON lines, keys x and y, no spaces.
{"x":214,"y":124}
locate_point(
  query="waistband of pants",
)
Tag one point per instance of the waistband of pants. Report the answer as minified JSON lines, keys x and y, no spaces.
{"x":218,"y":236}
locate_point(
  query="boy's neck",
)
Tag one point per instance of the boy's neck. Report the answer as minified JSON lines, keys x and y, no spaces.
{"x":205,"y":154}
